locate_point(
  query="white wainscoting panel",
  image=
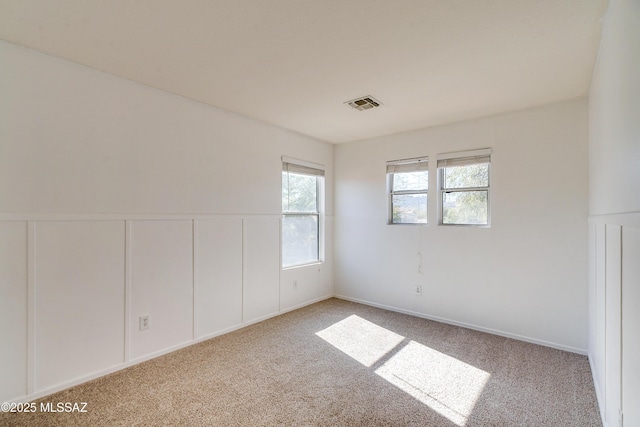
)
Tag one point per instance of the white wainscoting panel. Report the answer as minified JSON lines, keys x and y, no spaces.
{"x":13,"y":309}
{"x":261,"y":269}
{"x":298,"y":285}
{"x":600,"y":310}
{"x":218,"y":254}
{"x":325,"y":286}
{"x":161,"y":285}
{"x":79,"y":299}
{"x":631,"y":325}
{"x":312,"y":282}
{"x":613,"y":298}
{"x":73,"y":288}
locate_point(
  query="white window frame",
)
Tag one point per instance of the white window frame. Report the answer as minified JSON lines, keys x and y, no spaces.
{"x":312,"y":169}
{"x":463,"y":158}
{"x":415,"y":164}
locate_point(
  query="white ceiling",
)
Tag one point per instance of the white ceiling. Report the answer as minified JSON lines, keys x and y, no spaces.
{"x":294,"y":63}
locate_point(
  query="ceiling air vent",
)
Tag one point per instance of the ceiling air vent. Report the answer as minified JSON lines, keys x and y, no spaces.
{"x":364,"y":103}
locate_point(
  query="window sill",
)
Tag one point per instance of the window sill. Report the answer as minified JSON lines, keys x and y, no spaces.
{"x":466,"y":225}
{"x":409,"y":223}
{"x":291,"y":267}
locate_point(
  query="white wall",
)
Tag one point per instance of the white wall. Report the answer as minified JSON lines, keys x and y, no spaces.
{"x":13,"y":308}
{"x":218,"y":287}
{"x":79,"y":302}
{"x":525,"y":276}
{"x":119,"y":200}
{"x":162,"y":285}
{"x":614,"y":114}
{"x":614,"y":208}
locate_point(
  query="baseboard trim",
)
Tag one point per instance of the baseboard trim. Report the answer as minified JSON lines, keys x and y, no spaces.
{"x":599,"y":395}
{"x":136,"y":361}
{"x":83,"y":379}
{"x":468,"y":326}
{"x":304,"y":304}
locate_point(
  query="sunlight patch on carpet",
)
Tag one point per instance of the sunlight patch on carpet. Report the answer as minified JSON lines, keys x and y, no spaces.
{"x":360,"y":339}
{"x":445,"y":384}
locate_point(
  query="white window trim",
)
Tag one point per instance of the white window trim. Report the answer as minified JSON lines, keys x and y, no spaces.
{"x":482,"y":152}
{"x":303,"y":163}
{"x":318,"y":170}
{"x":460,"y":158}
{"x":405,"y":165}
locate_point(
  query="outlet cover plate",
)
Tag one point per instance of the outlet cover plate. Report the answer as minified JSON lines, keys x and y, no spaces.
{"x":144,"y":322}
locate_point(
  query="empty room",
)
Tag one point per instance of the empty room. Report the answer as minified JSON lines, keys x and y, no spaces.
{"x":320,"y":212}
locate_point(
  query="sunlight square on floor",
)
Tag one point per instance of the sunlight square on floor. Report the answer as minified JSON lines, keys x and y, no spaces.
{"x":445,"y":384}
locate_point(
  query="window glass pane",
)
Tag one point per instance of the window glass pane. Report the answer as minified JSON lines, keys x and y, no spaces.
{"x":467,"y":176}
{"x":409,"y":208}
{"x":465,"y":207}
{"x":299,"y":239}
{"x":404,"y":181}
{"x":299,"y":193}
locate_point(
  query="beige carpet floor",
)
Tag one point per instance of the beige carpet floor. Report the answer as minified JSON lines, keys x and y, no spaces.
{"x":337,"y":363}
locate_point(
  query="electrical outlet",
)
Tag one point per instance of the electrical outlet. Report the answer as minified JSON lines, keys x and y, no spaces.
{"x":295,"y":284}
{"x":418,"y":290}
{"x":144,"y":322}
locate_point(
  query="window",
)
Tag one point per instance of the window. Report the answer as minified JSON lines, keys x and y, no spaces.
{"x":302,"y":187}
{"x":408,"y":182}
{"x":464,"y":187}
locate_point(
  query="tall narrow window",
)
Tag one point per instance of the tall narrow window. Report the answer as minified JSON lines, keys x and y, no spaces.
{"x":301,"y":200}
{"x":408,"y":182}
{"x":464,"y":187}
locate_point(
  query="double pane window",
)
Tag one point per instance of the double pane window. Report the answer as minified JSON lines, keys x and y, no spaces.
{"x":464,"y":188}
{"x":301,"y":188}
{"x":408,"y":182}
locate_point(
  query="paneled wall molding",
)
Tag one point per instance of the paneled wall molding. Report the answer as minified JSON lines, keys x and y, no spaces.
{"x":127,"y":293}
{"x":44,"y":392}
{"x":630,"y":219}
{"x":54,"y":216}
{"x":105,"y":218}
{"x":31,"y":301}
{"x":87,"y":279}
{"x":614,"y":342}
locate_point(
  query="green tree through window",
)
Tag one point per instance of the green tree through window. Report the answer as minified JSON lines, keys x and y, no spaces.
{"x":408,"y":182}
{"x":465,"y":190}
